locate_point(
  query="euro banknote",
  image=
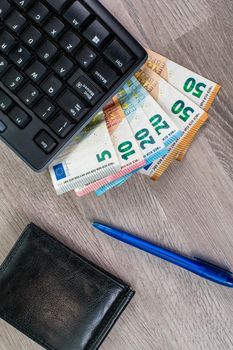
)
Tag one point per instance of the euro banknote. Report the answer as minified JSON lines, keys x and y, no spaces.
{"x":200,"y":90}
{"x":151,"y":145}
{"x":188,"y":116}
{"x":162,"y":124}
{"x":125,"y":144}
{"x":165,"y":128}
{"x":197,"y":88}
{"x":89,"y":157}
{"x":159,"y":110}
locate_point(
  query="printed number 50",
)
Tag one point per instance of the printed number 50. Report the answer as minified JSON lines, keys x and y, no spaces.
{"x":179,"y":108}
{"x":103,"y":156}
{"x":191,"y":84}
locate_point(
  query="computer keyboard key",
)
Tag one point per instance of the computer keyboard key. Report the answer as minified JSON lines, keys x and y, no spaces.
{"x":45,"y":141}
{"x":56,"y":4}
{"x":96,"y":34}
{"x":29,"y":94}
{"x":3,"y":126}
{"x":15,"y":21}
{"x":72,"y":105}
{"x":7,"y":41}
{"x":3,"y":65}
{"x":4,"y":8}
{"x":38,"y":13}
{"x":20,"y":56}
{"x":104,"y":75}
{"x":47,"y":51}
{"x":86,"y":57}
{"x":19,"y":117}
{"x":23,"y":4}
{"x":61,"y":125}
{"x":54,"y":27}
{"x":119,"y":56}
{"x":52,"y":85}
{"x":85,"y":87}
{"x":44,"y":109}
{"x":5,"y":101}
{"x":77,"y":15}
{"x":69,"y":41}
{"x":31,"y":36}
{"x":63,"y":66}
{"x":36,"y":71}
{"x":13,"y":79}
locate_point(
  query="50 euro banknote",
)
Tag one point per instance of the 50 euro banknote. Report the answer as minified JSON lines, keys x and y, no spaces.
{"x":197,"y":88}
{"x":125,"y":145}
{"x":188,"y":116}
{"x":90,"y":156}
{"x":200,"y":90}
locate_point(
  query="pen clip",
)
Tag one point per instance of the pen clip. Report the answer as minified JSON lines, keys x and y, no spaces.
{"x":220,"y":269}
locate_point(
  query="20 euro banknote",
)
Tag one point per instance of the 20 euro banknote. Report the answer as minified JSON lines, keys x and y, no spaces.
{"x":165,"y":128}
{"x":151,"y":145}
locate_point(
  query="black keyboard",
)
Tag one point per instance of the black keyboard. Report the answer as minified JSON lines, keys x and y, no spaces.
{"x":60,"y":61}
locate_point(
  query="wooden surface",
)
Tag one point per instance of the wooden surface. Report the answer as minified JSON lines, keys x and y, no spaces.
{"x":189,"y":209}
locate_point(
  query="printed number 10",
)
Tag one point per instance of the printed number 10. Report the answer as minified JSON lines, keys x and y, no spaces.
{"x":126,"y":149}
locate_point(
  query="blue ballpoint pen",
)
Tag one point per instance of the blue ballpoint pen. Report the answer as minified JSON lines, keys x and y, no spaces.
{"x":198,"y":266}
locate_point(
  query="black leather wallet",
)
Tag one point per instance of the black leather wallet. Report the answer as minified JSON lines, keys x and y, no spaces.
{"x":56,"y":297}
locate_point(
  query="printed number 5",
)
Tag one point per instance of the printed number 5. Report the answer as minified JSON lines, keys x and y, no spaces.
{"x":103,"y":156}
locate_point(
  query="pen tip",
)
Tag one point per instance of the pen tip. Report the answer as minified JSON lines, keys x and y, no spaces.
{"x":95,"y":224}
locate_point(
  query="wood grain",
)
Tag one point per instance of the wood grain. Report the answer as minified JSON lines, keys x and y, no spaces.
{"x":189,"y":209}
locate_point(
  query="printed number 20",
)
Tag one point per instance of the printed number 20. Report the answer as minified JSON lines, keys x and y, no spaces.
{"x":191,"y":84}
{"x":141,"y":135}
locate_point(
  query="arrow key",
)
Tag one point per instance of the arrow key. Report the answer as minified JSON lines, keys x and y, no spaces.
{"x":86,"y":57}
{"x":63,"y":66}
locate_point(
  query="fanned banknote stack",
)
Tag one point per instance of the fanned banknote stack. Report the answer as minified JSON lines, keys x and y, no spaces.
{"x":150,"y":123}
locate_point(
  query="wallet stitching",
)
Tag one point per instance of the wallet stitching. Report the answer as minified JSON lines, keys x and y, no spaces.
{"x":111,"y":311}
